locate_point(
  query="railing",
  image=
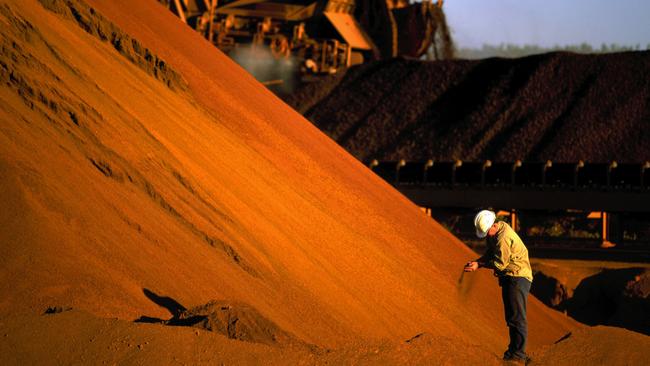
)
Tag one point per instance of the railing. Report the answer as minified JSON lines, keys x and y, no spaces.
{"x":542,"y":175}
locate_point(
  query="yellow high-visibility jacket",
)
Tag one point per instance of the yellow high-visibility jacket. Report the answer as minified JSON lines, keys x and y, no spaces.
{"x":506,"y":254}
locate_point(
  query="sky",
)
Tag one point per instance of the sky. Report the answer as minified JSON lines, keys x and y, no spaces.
{"x":548,"y":23}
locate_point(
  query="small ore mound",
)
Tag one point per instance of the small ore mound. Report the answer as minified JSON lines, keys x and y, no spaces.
{"x":561,"y":106}
{"x":549,"y":290}
{"x":617,"y":297}
{"x":612,"y":297}
{"x":235,"y":321}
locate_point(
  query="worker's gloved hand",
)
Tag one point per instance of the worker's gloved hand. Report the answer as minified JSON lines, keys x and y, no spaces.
{"x":471,"y":266}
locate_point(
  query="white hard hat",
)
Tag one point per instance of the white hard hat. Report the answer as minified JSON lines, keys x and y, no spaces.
{"x":483,"y":222}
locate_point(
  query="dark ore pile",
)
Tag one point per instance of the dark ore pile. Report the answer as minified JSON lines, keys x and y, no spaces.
{"x":559,"y":106}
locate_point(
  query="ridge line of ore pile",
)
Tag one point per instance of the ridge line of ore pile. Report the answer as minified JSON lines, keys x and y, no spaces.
{"x":559,"y":106}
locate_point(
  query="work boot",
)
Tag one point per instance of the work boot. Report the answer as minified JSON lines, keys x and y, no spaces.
{"x":517,"y":360}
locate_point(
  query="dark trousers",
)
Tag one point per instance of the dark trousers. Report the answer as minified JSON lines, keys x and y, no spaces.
{"x":514,"y":292}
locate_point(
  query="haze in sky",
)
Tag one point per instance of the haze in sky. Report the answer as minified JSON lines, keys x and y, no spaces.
{"x":549,"y":23}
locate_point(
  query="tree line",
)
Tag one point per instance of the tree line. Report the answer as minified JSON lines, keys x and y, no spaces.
{"x":513,"y":50}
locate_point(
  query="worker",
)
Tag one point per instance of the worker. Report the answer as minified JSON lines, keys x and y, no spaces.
{"x":507,"y":256}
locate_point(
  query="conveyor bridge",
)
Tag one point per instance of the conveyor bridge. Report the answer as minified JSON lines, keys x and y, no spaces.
{"x":616,"y":194}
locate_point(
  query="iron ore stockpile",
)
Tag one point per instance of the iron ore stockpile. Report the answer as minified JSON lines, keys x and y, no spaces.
{"x":160,"y":206}
{"x":561,"y":107}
